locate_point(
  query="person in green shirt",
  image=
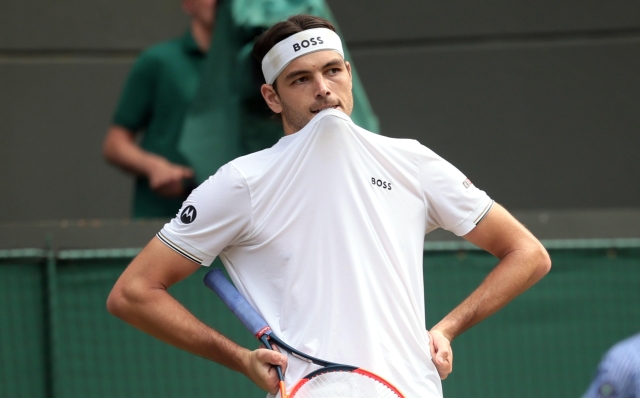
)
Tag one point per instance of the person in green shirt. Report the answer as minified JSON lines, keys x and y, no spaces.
{"x":155,"y":100}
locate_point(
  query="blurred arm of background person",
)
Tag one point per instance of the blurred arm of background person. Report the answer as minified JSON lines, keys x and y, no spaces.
{"x":618,"y":373}
{"x":121,"y":149}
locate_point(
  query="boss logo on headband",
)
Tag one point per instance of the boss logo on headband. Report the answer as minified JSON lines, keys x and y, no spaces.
{"x":307,"y":43}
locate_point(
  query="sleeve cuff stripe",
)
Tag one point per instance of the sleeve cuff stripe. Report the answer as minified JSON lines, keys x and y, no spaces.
{"x":484,"y":213}
{"x":177,"y":249}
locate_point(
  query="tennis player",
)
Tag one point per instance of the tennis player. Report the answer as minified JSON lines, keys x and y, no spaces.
{"x":323,"y":234}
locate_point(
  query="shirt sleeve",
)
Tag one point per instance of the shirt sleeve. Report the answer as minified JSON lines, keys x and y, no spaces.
{"x":135,"y":106}
{"x":216,"y":215}
{"x":453,"y":202}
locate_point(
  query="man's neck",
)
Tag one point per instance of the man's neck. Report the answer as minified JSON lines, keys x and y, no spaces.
{"x":201,"y":35}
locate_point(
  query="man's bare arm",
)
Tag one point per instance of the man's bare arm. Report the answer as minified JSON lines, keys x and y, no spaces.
{"x":121,"y":149}
{"x":140,"y":298}
{"x":523,"y":262}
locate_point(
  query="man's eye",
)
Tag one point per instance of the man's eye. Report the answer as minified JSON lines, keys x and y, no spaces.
{"x":333,"y":71}
{"x":300,"y":80}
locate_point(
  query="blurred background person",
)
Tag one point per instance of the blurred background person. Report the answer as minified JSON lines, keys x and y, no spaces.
{"x":156,"y":97}
{"x":619,"y":371}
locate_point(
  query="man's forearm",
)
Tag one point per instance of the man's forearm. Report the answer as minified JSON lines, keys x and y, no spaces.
{"x":515,"y":273}
{"x":160,"y":315}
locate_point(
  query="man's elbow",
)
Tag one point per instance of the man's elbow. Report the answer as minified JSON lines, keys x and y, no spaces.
{"x":542,"y":261}
{"x":109,"y":150}
{"x":115,"y":142}
{"x":124,"y":298}
{"x":116,"y":302}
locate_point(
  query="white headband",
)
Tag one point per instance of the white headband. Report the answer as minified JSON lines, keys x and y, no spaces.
{"x":302,"y":43}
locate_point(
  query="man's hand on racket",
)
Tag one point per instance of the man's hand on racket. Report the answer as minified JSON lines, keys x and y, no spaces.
{"x":441,"y":353}
{"x":261,"y":368}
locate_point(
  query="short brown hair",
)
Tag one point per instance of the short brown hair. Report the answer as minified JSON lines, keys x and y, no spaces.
{"x":280,"y":31}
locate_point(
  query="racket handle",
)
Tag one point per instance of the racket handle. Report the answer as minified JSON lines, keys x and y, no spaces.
{"x":216,"y":281}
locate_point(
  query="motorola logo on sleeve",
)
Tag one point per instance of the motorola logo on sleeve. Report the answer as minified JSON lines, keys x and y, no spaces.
{"x":188,"y":215}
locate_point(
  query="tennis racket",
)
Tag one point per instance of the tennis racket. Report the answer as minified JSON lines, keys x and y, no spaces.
{"x":331,"y":381}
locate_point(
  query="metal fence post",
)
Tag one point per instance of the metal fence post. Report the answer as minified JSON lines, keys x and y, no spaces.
{"x":50,"y":318}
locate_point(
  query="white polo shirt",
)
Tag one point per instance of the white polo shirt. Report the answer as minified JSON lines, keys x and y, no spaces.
{"x":323,"y":233}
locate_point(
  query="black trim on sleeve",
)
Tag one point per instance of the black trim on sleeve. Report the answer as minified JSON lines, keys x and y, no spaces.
{"x":484,"y":213}
{"x":178,"y":249}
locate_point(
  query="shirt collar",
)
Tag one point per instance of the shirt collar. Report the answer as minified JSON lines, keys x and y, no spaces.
{"x":190,"y":44}
{"x":309,"y":126}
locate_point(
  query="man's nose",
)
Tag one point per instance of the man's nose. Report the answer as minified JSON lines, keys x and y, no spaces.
{"x":322,"y":89}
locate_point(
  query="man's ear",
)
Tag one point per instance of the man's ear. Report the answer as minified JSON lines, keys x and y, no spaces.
{"x":271,"y":98}
{"x":348,"y":65}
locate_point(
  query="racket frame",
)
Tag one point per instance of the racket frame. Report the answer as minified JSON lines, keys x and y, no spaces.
{"x":255,"y":323}
{"x":342,"y":368}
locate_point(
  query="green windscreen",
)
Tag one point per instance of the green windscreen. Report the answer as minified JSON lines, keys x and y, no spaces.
{"x":548,"y":341}
{"x":58,"y":340}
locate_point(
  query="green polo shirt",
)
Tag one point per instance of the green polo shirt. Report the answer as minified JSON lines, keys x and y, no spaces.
{"x":155,"y":100}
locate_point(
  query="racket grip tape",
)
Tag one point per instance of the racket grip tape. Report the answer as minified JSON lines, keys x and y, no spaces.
{"x":216,"y":281}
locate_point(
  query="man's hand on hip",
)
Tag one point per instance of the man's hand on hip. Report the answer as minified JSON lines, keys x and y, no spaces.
{"x":441,"y":353}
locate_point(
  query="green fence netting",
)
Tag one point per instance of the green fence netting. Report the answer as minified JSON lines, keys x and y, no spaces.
{"x":57,"y":339}
{"x":23,"y":359}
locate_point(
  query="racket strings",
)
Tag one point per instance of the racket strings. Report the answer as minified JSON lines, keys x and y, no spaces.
{"x":339,"y":384}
